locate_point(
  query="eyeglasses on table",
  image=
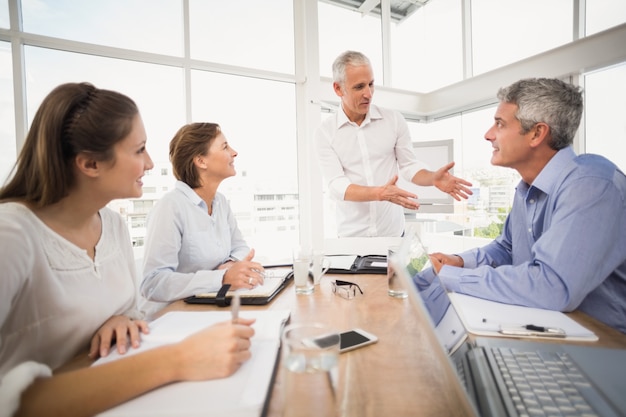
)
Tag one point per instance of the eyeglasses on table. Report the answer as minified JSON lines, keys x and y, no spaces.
{"x":345,"y":289}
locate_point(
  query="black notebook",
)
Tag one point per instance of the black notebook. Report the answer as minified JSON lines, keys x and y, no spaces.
{"x":354,"y":264}
{"x":275,"y":281}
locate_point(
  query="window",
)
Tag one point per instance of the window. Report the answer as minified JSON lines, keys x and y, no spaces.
{"x":493,"y":187}
{"x":8,"y":153}
{"x":604,"y":14}
{"x":239,"y":71}
{"x":4,"y":14}
{"x":507,"y":31}
{"x":155,"y":88}
{"x":417,"y":62}
{"x":143,"y":25}
{"x":258,"y":120}
{"x":605,"y":126}
{"x":341,"y":30}
{"x":247,"y":33}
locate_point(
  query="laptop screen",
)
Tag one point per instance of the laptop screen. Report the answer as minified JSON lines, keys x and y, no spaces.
{"x":408,"y":261}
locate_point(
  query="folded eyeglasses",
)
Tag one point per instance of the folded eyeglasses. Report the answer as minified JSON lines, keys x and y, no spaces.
{"x":345,"y":289}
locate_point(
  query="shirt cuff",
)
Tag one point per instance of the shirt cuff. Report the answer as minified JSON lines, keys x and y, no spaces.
{"x":451,"y":277}
{"x":16,"y":381}
{"x":424,"y":278}
{"x":469,"y":259}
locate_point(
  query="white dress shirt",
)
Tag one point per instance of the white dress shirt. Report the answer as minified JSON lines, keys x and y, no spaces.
{"x":185,"y":245}
{"x":369,"y":155}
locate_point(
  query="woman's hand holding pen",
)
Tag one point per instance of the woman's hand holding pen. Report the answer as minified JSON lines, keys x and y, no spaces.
{"x":244,"y":273}
{"x":438,"y":260}
{"x":215,"y":352}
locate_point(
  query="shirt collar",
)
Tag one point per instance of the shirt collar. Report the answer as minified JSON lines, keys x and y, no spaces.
{"x":191,"y":194}
{"x":546,"y":180}
{"x":372,"y":114}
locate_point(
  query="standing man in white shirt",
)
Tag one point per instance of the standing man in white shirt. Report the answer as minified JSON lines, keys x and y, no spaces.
{"x":363,"y":148}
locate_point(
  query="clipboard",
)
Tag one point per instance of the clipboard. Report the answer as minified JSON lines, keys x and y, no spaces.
{"x":356,"y":264}
{"x":489,"y":318}
{"x":275,"y":281}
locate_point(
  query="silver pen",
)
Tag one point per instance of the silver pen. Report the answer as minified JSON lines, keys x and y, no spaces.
{"x":235,"y":303}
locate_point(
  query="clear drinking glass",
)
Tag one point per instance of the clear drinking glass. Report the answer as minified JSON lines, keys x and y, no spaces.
{"x":302,"y":275}
{"x":310,"y":371}
{"x":396,"y":288}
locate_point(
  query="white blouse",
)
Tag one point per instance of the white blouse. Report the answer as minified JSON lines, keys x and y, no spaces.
{"x":53,"y":297}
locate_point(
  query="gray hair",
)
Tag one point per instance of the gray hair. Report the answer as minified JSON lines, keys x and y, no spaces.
{"x":345,"y":59}
{"x":550,"y":101}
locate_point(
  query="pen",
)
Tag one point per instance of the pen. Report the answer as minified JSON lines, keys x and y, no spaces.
{"x":234,"y":306}
{"x":532,"y":330}
{"x":542,"y":329}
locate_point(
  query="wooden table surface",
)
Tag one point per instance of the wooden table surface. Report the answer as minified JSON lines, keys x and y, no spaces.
{"x":404,"y":371}
{"x":401,"y":373}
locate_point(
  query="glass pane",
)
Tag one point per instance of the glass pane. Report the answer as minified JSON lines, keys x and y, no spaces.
{"x":416,"y":44}
{"x":342,"y":29}
{"x":605,"y":126}
{"x":247,"y":33}
{"x":529,"y":27}
{"x":264,"y":193}
{"x":156,"y":90}
{"x":604,"y":14}
{"x":162,"y":108}
{"x":144,"y":25}
{"x":7,"y":113}
{"x":4,"y":14}
{"x":493,"y":187}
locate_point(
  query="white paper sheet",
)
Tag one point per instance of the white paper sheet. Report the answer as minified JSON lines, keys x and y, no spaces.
{"x":242,"y":394}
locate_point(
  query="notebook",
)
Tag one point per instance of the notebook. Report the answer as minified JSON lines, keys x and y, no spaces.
{"x":357,"y":264}
{"x":510,"y":377}
{"x":275,"y":281}
{"x":243,"y":394}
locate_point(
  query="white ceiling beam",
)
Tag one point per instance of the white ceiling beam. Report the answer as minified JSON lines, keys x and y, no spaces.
{"x":367,"y":6}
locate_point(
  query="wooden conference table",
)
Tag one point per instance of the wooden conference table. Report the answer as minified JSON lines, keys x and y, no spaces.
{"x":402,"y":374}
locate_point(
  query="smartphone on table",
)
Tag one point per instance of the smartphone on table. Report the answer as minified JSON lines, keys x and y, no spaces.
{"x":349,"y":340}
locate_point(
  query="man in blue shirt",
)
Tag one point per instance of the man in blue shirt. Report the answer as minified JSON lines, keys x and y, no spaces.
{"x":563,"y":246}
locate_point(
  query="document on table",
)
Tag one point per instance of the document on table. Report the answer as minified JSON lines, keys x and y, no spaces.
{"x":243,"y":394}
{"x":342,"y":261}
{"x":487,"y":318}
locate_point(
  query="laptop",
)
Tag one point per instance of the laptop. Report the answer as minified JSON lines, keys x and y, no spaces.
{"x":512,"y":377}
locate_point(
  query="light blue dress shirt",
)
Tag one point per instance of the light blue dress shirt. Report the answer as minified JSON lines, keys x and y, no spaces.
{"x":184,"y":245}
{"x":563,"y":246}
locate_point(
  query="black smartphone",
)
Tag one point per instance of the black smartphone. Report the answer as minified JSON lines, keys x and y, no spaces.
{"x":349,"y":340}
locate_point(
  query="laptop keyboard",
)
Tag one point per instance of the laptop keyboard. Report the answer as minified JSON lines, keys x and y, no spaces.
{"x":544,"y":383}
